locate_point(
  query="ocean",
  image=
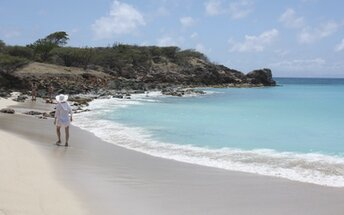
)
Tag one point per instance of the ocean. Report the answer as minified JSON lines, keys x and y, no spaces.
{"x":294,"y":130}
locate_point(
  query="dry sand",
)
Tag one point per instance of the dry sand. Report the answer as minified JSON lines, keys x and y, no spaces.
{"x":28,"y":184}
{"x":113,"y":180}
{"x":38,"y":69}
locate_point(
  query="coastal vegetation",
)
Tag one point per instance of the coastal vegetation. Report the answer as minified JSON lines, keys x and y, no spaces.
{"x":52,"y":49}
{"x":121,"y":65}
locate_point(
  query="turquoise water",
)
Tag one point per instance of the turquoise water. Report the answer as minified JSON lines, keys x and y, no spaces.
{"x":294,"y":130}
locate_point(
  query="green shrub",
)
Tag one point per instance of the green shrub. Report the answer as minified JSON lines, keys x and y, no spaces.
{"x":64,"y":54}
{"x":20,"y":51}
{"x":10,"y":63}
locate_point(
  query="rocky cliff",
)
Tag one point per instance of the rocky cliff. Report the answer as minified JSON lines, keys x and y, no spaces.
{"x":161,"y":74}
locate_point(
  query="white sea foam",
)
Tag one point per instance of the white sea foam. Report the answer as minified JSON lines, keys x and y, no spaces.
{"x":311,"y":167}
{"x":209,"y":92}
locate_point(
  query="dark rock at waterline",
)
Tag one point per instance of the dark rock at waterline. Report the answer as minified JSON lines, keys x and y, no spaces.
{"x":172,"y":92}
{"x":261,"y":76}
{"x":4,"y":94}
{"x":52,"y":114}
{"x":20,"y":98}
{"x":181,"y":92}
{"x":118,"y":96}
{"x":45,"y":114}
{"x":33,"y":113}
{"x":79,"y":101}
{"x":7,"y":110}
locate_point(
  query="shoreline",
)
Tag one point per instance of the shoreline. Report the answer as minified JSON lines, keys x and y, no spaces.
{"x":307,"y":167}
{"x":111,"y":179}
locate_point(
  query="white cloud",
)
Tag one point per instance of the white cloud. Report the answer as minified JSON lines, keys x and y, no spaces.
{"x":194,"y":35}
{"x":122,"y":19}
{"x":167,"y":41}
{"x":187,"y":21}
{"x":310,"y":35}
{"x":254,"y":43}
{"x":213,"y":7}
{"x":300,"y":64}
{"x":290,"y":19}
{"x":240,"y":9}
{"x":237,"y":9}
{"x":200,"y":47}
{"x":340,"y":46}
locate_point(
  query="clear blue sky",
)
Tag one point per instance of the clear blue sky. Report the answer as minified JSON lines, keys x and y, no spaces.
{"x":295,"y":38}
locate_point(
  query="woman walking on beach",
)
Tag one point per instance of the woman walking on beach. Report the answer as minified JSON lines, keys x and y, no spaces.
{"x":63,"y":117}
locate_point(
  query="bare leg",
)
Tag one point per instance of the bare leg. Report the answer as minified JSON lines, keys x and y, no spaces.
{"x":67,"y":135}
{"x":58,"y":132}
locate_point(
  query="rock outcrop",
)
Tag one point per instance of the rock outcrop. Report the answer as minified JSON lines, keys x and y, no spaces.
{"x":262,"y":76}
{"x":160,"y":75}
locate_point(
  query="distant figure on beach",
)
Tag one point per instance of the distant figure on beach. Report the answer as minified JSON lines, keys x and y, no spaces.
{"x":63,"y":117}
{"x":50,"y":93}
{"x":33,"y":91}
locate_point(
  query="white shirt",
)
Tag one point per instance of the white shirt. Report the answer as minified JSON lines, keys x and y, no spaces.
{"x":62,"y":112}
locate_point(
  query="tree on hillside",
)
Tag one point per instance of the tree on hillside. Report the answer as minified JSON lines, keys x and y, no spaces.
{"x":42,"y":47}
{"x":58,"y":38}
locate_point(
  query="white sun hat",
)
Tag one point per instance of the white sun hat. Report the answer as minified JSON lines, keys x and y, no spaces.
{"x":61,"y":98}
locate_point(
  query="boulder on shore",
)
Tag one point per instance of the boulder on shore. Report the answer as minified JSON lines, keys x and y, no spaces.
{"x":33,"y":113}
{"x":4,"y":94}
{"x":181,"y":92}
{"x":7,"y":110}
{"x":20,"y":98}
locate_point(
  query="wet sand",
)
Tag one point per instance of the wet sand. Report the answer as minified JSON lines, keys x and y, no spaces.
{"x":109,"y":179}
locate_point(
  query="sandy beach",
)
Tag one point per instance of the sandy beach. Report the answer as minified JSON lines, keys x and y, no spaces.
{"x":96,"y":177}
{"x":28,"y":183}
